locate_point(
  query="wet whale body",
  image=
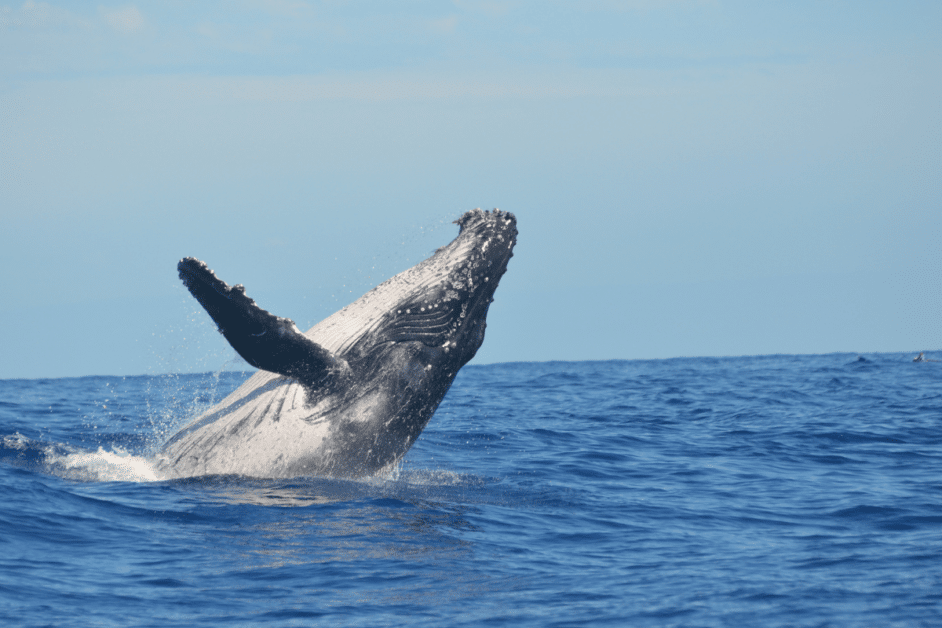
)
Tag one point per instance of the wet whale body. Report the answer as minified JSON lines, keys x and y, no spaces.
{"x":350,"y":396}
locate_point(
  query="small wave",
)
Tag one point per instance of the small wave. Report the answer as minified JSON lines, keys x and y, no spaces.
{"x":16,"y":442}
{"x":438,"y":477}
{"x":102,"y":466}
{"x":68,"y":461}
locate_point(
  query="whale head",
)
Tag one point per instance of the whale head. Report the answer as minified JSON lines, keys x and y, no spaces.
{"x":447,"y":309}
{"x":441,"y":303}
{"x":406,"y":339}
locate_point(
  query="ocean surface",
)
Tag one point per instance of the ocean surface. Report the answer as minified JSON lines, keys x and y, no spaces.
{"x":755,"y":491}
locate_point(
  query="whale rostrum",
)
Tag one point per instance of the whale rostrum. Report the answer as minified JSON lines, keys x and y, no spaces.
{"x":350,"y":396}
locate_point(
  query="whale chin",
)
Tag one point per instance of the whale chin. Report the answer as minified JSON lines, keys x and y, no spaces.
{"x":350,"y":396}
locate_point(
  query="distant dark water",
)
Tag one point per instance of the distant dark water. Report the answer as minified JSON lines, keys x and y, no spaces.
{"x":769,"y":491}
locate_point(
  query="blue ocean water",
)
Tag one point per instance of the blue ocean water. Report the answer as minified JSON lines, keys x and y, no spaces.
{"x":757,"y":491}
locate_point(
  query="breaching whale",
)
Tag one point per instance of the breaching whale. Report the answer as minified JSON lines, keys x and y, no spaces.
{"x":350,"y":396}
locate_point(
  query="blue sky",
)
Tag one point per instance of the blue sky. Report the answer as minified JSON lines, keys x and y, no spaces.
{"x":690,"y":177}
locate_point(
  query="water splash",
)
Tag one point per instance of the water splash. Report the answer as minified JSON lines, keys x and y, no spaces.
{"x":117,"y":465}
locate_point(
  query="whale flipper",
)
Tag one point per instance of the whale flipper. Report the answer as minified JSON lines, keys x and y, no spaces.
{"x":265,"y":341}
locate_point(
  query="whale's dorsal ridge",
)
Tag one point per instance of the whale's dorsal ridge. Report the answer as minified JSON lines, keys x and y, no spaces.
{"x":265,"y":341}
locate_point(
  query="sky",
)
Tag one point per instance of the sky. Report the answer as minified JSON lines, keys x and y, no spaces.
{"x":690,"y":178}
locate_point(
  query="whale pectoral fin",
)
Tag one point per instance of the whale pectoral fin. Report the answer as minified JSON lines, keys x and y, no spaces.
{"x":264,"y":340}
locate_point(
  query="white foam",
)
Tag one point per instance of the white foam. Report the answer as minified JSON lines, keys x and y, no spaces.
{"x":436,"y":477}
{"x":16,"y":441}
{"x":107,"y":466}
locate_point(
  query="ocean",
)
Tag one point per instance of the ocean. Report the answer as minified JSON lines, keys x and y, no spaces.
{"x":764,"y":491}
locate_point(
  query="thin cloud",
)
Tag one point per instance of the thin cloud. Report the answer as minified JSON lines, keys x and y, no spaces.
{"x":34,"y":15}
{"x":643,"y":6}
{"x":125,"y":20}
{"x":487,"y":7}
{"x":388,"y":87}
{"x":443,"y":26}
{"x":285,"y":8}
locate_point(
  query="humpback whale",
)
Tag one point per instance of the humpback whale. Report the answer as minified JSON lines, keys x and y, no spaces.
{"x":350,"y":396}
